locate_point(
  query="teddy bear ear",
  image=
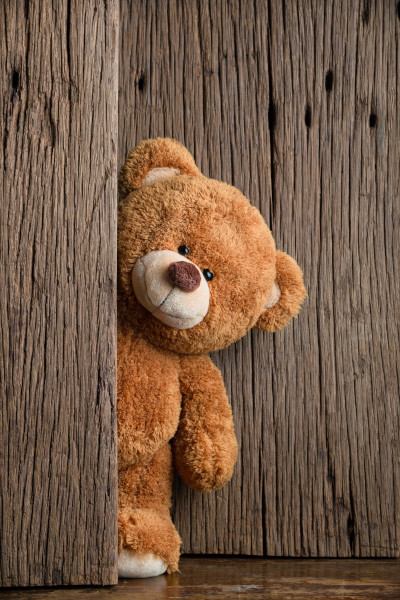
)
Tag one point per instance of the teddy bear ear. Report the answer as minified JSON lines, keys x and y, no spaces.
{"x":286,"y":296}
{"x":155,"y":160}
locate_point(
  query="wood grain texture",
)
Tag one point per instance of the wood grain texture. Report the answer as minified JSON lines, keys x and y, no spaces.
{"x":58,"y":484}
{"x":297,"y":104}
{"x":202,"y":578}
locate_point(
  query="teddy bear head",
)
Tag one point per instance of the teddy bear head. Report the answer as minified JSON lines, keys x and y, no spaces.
{"x":197,"y":264}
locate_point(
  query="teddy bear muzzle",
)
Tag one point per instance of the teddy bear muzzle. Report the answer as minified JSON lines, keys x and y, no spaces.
{"x":172,"y":288}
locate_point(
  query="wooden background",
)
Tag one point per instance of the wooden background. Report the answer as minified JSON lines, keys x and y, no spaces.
{"x":58,"y":157}
{"x":297,"y":104}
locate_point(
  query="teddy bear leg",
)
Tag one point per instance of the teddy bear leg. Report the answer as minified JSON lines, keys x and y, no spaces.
{"x":133,"y":565}
{"x":148,"y":541}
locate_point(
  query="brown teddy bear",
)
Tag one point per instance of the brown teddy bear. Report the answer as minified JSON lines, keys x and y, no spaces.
{"x":197,"y":268}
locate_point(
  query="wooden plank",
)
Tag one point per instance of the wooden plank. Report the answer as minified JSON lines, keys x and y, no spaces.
{"x":337,"y":189}
{"x":247,"y":88}
{"x":58,"y":487}
{"x":249,"y":578}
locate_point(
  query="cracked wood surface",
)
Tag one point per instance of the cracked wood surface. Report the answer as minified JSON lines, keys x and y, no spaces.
{"x":297,"y":104}
{"x":58,"y":484}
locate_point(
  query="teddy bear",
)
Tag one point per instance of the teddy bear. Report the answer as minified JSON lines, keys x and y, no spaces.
{"x":197,"y":268}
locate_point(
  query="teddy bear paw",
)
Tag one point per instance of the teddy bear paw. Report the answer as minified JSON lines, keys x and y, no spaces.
{"x":134,"y":565}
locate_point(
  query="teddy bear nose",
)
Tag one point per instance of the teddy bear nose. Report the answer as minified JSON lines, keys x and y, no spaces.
{"x":184,"y":275}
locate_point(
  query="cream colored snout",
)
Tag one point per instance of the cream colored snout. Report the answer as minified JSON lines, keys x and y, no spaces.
{"x":158,"y":292}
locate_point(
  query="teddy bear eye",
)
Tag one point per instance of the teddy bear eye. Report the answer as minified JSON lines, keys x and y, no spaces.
{"x":184,"y":250}
{"x":207,"y":274}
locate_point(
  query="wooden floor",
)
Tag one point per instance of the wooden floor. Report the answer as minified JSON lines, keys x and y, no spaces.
{"x":248,"y":578}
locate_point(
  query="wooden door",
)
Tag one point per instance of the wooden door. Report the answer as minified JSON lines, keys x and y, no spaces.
{"x":297,"y":104}
{"x":58,"y":484}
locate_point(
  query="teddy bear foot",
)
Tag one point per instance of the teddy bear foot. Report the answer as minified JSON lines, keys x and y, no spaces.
{"x":132,"y":565}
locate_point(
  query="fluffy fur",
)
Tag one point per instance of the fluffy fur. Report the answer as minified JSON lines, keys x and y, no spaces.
{"x":172,"y":403}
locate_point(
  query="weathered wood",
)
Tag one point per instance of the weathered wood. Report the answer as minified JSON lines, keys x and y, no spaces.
{"x":58,"y":98}
{"x":248,"y":578}
{"x":278,"y":99}
{"x":336,"y":179}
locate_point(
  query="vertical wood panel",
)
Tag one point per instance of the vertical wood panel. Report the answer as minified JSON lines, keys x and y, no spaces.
{"x":316,"y":408}
{"x":58,"y":97}
{"x":336,"y":184}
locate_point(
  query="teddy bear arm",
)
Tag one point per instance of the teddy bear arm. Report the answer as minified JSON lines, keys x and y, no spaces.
{"x":204,"y":446}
